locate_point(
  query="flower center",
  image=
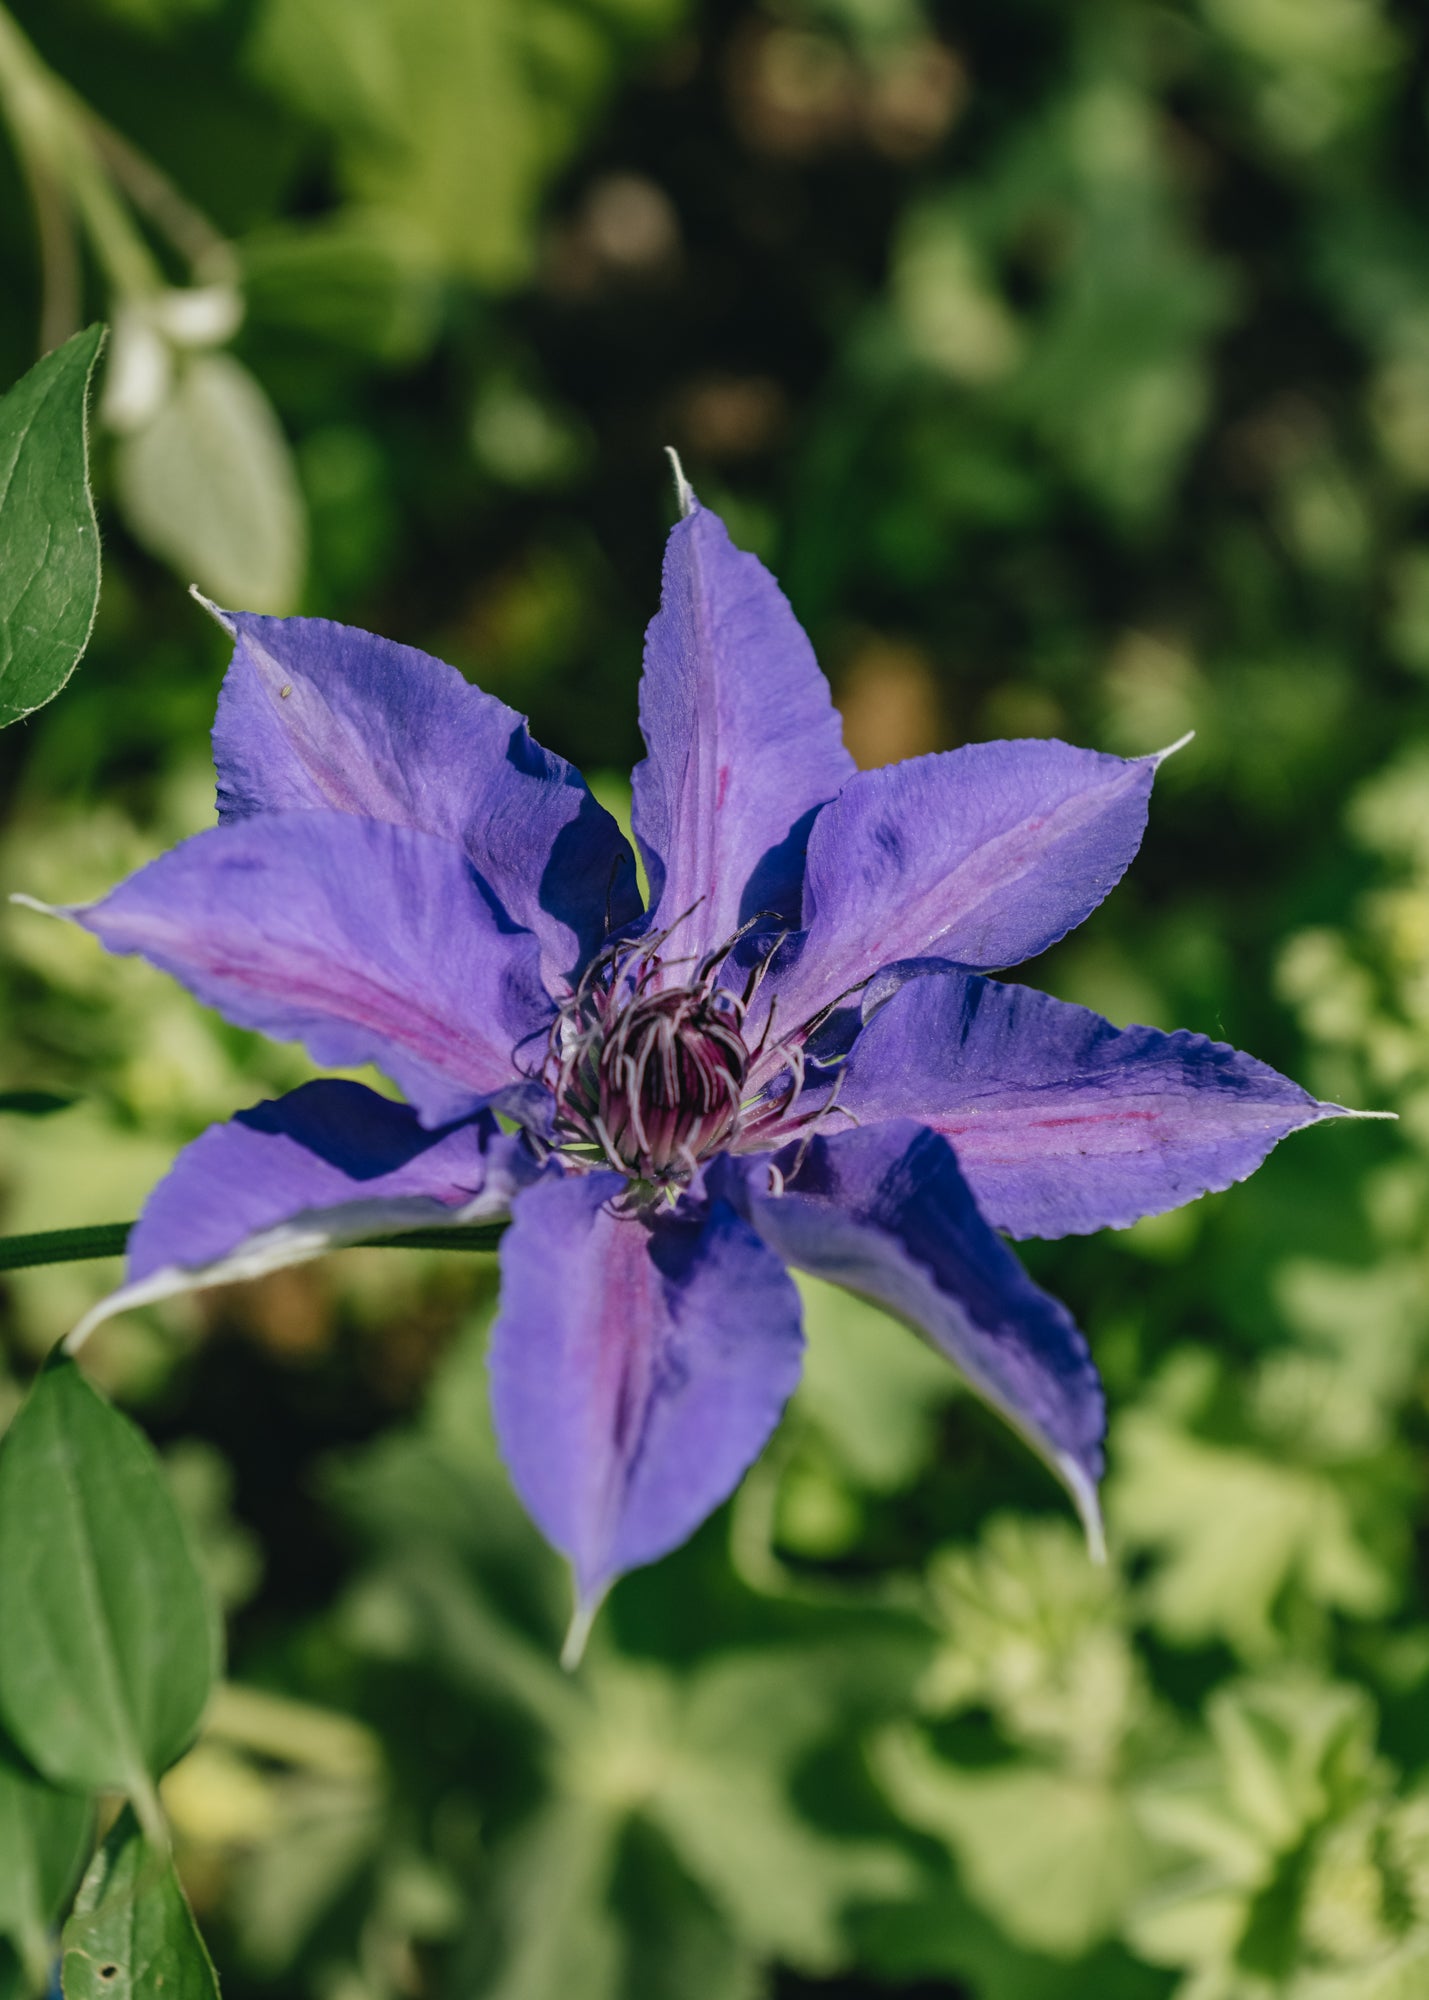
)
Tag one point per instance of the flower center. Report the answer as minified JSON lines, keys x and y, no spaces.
{"x":647,"y":1078}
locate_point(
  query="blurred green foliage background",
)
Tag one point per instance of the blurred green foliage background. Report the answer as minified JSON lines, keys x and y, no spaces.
{"x":1069,"y":360}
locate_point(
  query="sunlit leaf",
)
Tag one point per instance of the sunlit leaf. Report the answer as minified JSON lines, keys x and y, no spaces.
{"x":1054,"y":1856}
{"x":1035,"y":1631}
{"x":1401,"y":1974}
{"x":1233,"y":1528}
{"x":1231,"y":1833}
{"x":49,"y":541}
{"x":429,"y":102}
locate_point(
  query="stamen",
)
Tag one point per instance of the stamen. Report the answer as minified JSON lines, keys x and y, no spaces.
{"x":651,"y":1077}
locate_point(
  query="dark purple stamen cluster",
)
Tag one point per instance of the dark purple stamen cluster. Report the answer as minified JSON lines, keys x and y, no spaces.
{"x":648,"y":1078}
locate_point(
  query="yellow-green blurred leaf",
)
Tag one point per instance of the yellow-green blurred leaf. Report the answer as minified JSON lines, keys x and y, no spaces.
{"x":208,"y":485}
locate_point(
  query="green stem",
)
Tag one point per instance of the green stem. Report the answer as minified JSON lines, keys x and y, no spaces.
{"x":63,"y":1246}
{"x":107,"y":1239}
{"x":51,"y":130}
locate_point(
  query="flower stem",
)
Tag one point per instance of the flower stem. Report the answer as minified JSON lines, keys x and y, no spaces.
{"x":51,"y":129}
{"x":107,"y":1239}
{"x":63,"y":1246}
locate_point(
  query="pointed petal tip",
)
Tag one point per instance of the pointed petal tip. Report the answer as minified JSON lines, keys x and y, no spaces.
{"x":1088,"y":1505}
{"x":218,"y":615}
{"x":1348,"y":1111}
{"x":33,"y":903}
{"x":1157,"y":758}
{"x":684,"y":492}
{"x":106,"y":1309}
{"x":253,"y":1260}
{"x":582,"y":1619}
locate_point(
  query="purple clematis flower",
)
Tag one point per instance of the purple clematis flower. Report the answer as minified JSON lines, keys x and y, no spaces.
{"x":792,"y":1058}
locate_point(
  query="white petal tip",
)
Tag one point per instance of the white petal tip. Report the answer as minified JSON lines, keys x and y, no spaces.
{"x":1158,"y":757}
{"x":1088,"y":1505}
{"x":269,"y":1250}
{"x":218,"y":616}
{"x":684,"y":492}
{"x":96,"y":1316}
{"x":1347,"y":1111}
{"x":33,"y":903}
{"x":582,"y":1619}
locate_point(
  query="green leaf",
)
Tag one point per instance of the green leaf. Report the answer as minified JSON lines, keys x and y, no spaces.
{"x":561,"y":1936}
{"x":427,"y":101}
{"x":290,"y":1882}
{"x":725,"y":1798}
{"x":44,"y":1837}
{"x":676,"y":1944}
{"x":1402,"y":1975}
{"x":1232,"y":1530}
{"x":355,"y":278}
{"x":944,"y":1934}
{"x":108,"y":1640}
{"x":132,"y":1935}
{"x":1054,"y":1856}
{"x":873,"y":1393}
{"x":49,"y":539}
{"x":208,"y":485}
{"x":589,"y":1903}
{"x":1230,"y":1832}
{"x":1034,"y":1631}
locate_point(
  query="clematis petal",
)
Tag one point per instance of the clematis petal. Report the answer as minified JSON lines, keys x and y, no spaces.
{"x":983,"y":856}
{"x":637,"y":1369}
{"x":1062,"y":1123}
{"x":744,"y":743}
{"x":329,"y":1164}
{"x":365,"y":942}
{"x":317,"y":715}
{"x":885,"y":1212}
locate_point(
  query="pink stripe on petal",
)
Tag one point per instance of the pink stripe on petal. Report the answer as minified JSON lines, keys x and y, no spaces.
{"x":637,"y":1369}
{"x":1062,"y":1123}
{"x":366,"y":942}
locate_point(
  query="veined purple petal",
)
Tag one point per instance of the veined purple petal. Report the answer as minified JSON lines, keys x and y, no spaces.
{"x":317,"y":715}
{"x":637,"y":1369}
{"x":329,"y":1164}
{"x":983,"y":856}
{"x":366,"y":942}
{"x":1062,"y":1123}
{"x":744,"y":743}
{"x":885,"y":1212}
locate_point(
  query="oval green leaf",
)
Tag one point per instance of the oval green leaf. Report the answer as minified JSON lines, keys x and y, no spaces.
{"x":209,"y":486}
{"x":49,"y":539}
{"x":108,"y":1637}
{"x":132,"y":1935}
{"x":44,"y":1837}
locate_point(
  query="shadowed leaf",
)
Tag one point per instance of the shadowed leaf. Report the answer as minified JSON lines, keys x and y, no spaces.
{"x":108,"y":1646}
{"x":132,"y":1934}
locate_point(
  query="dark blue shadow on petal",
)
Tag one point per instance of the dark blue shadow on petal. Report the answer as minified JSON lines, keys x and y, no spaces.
{"x":589,"y":881}
{"x":365,"y":1136}
{"x":777,"y":883}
